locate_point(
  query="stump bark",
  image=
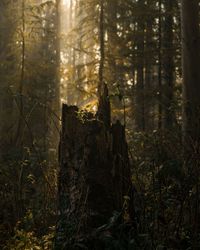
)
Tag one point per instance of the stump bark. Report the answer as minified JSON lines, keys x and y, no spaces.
{"x":94,"y":171}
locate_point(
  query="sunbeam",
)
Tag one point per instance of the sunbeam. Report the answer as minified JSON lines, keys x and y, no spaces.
{"x":66,"y":2}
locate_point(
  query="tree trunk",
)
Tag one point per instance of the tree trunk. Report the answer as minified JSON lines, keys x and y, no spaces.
{"x":168,"y":68}
{"x":191,"y":72}
{"x":20,"y":125}
{"x":57,"y":84}
{"x":191,"y":84}
{"x":148,"y":72}
{"x":139,"y":90}
{"x":160,"y":107}
{"x":94,"y":171}
{"x":101,"y":50}
{"x":7,"y":59}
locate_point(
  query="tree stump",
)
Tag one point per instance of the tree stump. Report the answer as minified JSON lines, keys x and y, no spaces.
{"x":94,"y":171}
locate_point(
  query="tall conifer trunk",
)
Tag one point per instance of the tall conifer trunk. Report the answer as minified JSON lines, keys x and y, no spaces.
{"x":168,"y":67}
{"x":139,"y":90}
{"x":191,"y":72}
{"x":160,"y":106}
{"x":20,"y":124}
{"x":101,"y":50}
{"x":191,"y":85}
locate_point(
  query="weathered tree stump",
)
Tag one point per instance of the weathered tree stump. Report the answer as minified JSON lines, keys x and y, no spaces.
{"x":94,"y":170}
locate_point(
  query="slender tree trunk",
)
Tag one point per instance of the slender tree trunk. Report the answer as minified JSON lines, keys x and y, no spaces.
{"x":7,"y":28}
{"x":22,"y":76}
{"x":168,"y":67}
{"x":139,"y":90}
{"x":80,"y":61}
{"x":160,"y":107}
{"x":148,"y":73}
{"x":101,"y":49}
{"x":112,"y":37}
{"x":71,"y":56}
{"x":57,"y":84}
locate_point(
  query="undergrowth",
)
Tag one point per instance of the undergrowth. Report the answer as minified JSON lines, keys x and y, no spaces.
{"x":166,"y":202}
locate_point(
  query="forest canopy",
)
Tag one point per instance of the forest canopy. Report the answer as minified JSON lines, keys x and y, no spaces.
{"x":109,"y":91}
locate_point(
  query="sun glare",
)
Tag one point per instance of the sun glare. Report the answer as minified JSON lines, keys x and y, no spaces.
{"x":66,"y":2}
